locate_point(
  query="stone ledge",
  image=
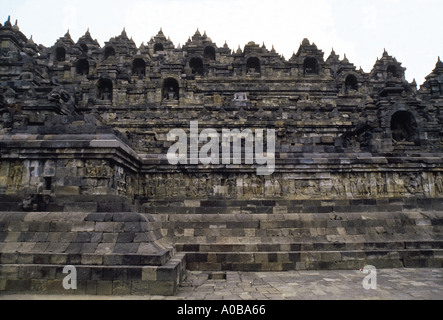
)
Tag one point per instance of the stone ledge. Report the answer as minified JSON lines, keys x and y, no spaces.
{"x":109,"y":250}
{"x":158,"y":259}
{"x":312,"y":260}
{"x":89,"y":287}
{"x":311,"y":246}
{"x":206,"y":207}
{"x":95,"y":280}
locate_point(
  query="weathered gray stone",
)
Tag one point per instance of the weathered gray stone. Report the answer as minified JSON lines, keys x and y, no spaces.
{"x":355,"y":152}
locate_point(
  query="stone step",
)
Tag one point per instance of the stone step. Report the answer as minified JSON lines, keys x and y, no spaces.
{"x":67,"y":203}
{"x":351,"y":241}
{"x":92,"y":279}
{"x":314,"y":228}
{"x":120,"y":251}
{"x":353,"y":227}
{"x":279,"y":242}
{"x":316,"y":246}
{"x":156,"y":259}
{"x":290,"y":206}
{"x":308,"y":220}
{"x":313,"y":260}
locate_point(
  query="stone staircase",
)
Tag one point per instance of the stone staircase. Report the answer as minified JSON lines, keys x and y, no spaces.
{"x":280,"y":206}
{"x":117,"y":253}
{"x":121,"y":253}
{"x":236,"y":237}
{"x":67,"y":203}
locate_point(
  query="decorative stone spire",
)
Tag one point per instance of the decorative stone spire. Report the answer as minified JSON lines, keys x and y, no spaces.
{"x":160,"y":37}
{"x":68,"y":35}
{"x":8,"y":22}
{"x":333,"y":57}
{"x":15,"y":27}
{"x":438,"y":67}
{"x":87,"y":40}
{"x":123,"y":34}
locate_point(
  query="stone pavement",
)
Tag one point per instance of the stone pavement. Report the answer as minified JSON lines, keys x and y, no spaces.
{"x":392,"y":284}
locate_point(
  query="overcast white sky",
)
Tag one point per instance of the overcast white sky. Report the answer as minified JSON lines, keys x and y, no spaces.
{"x":410,"y":30}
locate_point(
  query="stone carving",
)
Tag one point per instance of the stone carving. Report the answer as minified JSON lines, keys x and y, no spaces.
{"x":381,"y":185}
{"x":240,"y":99}
{"x":119,"y":180}
{"x":340,"y":132}
{"x":170,"y":94}
{"x":15,"y":175}
{"x":97,"y":169}
{"x":337,"y":188}
{"x":347,"y":186}
{"x":439,"y":184}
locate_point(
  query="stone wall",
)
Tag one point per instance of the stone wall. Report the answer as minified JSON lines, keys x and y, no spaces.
{"x":113,"y":254}
{"x":82,"y":120}
{"x":42,"y":170}
{"x":294,"y":186}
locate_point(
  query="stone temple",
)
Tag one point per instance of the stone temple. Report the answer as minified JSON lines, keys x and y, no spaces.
{"x":85,"y":180}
